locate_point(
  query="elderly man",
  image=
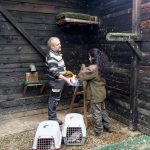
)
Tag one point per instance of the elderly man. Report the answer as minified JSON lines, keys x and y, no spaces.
{"x":57,"y":71}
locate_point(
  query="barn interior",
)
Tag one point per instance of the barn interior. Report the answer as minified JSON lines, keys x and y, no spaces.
{"x":119,"y":27}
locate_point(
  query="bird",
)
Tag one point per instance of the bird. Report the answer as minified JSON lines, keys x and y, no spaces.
{"x":75,"y":137}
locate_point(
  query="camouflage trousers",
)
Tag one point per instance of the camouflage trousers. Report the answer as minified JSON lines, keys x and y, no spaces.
{"x":100,"y":117}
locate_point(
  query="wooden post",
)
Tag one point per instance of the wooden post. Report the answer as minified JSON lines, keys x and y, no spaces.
{"x":85,"y":104}
{"x":73,"y":99}
{"x":75,"y":93}
{"x":135,"y":65}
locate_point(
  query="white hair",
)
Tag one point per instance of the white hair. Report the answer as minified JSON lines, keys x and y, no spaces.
{"x":52,"y":40}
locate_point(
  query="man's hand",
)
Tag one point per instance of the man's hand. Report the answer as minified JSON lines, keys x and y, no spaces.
{"x":65,"y":79}
{"x":68,"y":81}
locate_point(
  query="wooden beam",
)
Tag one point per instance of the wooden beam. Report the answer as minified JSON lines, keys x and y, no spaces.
{"x":136,"y":12}
{"x":12,"y":20}
{"x":135,"y":67}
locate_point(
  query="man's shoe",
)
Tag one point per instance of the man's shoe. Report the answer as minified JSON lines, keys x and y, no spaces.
{"x":59,"y":121}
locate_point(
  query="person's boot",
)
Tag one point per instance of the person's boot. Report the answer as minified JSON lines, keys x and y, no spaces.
{"x":109,"y":130}
{"x":94,"y":133}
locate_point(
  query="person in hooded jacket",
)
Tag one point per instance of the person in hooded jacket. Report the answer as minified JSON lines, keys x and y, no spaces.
{"x":94,"y":75}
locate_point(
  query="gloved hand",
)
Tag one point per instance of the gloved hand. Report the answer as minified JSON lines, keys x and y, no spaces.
{"x":70,"y":73}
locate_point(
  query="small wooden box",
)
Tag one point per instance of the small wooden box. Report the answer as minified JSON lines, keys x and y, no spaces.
{"x":32,"y":77}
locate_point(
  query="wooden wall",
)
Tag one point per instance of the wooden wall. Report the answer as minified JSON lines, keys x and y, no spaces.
{"x":116,"y":16}
{"x":37,"y":18}
{"x":144,"y":71}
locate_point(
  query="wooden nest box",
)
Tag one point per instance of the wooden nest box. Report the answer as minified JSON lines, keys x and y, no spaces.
{"x":32,"y":77}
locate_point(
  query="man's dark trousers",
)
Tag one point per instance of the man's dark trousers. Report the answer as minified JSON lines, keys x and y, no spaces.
{"x":55,"y":95}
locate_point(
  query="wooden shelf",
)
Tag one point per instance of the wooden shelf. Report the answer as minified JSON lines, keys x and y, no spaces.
{"x":77,"y":21}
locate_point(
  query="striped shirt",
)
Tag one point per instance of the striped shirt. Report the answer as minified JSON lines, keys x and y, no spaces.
{"x":55,"y":64}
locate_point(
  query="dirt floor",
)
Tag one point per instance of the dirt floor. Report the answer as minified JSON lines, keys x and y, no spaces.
{"x":19,"y":134}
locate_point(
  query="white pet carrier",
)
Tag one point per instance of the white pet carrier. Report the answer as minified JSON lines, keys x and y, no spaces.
{"x":48,"y":136}
{"x":74,"y":130}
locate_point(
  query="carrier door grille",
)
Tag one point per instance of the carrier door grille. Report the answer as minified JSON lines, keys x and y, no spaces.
{"x":45,"y":144}
{"x":74,"y":135}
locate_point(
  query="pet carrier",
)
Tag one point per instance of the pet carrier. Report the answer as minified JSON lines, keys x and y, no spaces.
{"x":48,"y":136}
{"x":74,"y":130}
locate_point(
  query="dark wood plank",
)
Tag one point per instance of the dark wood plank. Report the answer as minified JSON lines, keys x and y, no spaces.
{"x":145,"y":46}
{"x":60,"y":3}
{"x":117,"y":109}
{"x":108,"y":7}
{"x":119,"y":117}
{"x":142,"y":103}
{"x":16,"y":49}
{"x":31,"y":104}
{"x":21,"y":30}
{"x":143,"y":129}
{"x":17,"y":6}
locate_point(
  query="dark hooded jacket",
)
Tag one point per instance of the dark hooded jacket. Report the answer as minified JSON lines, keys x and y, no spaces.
{"x":95,"y":87}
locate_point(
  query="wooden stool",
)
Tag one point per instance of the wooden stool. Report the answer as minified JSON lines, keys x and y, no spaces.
{"x":75,"y":93}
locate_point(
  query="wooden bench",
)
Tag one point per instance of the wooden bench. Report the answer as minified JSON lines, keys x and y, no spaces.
{"x":33,"y":81}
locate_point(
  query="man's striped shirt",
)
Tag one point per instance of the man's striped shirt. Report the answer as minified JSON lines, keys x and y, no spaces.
{"x":55,"y":64}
